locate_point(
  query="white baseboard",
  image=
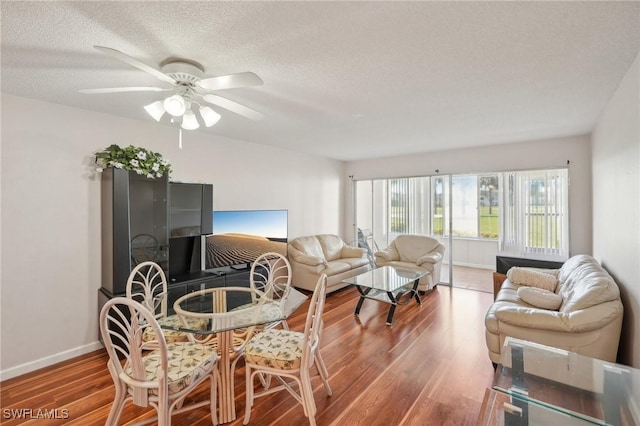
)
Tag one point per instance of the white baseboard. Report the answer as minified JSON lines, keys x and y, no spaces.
{"x":28,"y":367}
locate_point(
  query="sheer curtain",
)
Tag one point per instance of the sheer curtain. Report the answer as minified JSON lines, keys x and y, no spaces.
{"x":535,"y":219}
{"x":408,"y":206}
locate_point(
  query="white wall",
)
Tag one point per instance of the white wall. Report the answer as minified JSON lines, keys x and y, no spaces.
{"x":616,"y":203}
{"x":538,"y":154}
{"x":51,"y":213}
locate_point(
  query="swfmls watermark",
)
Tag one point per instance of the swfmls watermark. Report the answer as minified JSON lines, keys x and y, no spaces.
{"x":35,"y":413}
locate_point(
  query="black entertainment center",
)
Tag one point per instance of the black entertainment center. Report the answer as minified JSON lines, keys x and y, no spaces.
{"x":166,"y":222}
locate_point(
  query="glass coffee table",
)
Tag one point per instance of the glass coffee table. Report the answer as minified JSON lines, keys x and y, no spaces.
{"x":387,"y":284}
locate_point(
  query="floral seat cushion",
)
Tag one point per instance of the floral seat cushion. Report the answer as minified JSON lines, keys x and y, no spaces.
{"x":265,"y":313}
{"x":275,"y":348}
{"x":172,"y":336}
{"x":187,"y":362}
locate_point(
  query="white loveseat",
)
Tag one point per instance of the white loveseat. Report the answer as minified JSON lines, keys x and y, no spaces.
{"x":588,"y":320}
{"x":328,"y":254}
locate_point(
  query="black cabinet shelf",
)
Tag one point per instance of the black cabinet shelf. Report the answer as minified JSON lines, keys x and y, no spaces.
{"x":134,"y":225}
{"x":139,"y":219}
{"x":190,"y":209}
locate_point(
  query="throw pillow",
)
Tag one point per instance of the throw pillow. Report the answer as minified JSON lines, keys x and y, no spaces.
{"x":532,"y":278}
{"x":540,"y":298}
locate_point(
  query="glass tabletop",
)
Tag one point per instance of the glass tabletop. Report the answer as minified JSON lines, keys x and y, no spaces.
{"x":386,"y":278}
{"x":500,"y":409}
{"x":231,"y":308}
{"x":574,"y":385}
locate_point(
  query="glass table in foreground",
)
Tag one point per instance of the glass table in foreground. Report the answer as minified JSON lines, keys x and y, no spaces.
{"x":388,"y":284}
{"x":540,"y":385}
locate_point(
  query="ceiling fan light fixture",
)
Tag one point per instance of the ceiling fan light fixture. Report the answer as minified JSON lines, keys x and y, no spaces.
{"x":189,"y":82}
{"x":209,"y":116}
{"x":189,"y":121}
{"x":155,"y":110}
{"x":175,"y":105}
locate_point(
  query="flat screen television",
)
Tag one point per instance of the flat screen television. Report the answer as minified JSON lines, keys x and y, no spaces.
{"x":240,"y":236}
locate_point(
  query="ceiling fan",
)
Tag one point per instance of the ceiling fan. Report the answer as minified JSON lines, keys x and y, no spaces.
{"x":190,"y":88}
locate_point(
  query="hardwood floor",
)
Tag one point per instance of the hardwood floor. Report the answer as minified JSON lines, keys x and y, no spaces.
{"x":429,"y":368}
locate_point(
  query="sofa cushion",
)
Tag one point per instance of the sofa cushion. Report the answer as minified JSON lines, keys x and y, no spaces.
{"x":540,"y":298}
{"x":509,"y":294}
{"x":584,"y":283}
{"x":350,"y":251}
{"x":532,"y":278}
{"x":336,"y":267}
{"x":574,"y":262}
{"x":331,"y":246}
{"x":355,"y":262}
{"x":309,"y":246}
{"x":413,"y":247}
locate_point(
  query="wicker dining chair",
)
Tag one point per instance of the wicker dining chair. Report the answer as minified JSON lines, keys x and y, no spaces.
{"x":271,"y":275}
{"x":287,"y":354}
{"x":147,"y":285}
{"x":153,"y":373}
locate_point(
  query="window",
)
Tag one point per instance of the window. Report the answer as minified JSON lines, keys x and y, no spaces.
{"x":439,"y":202}
{"x":536,"y":220}
{"x":399,"y":206}
{"x":409,"y":206}
{"x":489,"y":206}
{"x":526,"y":212}
{"x":476,"y":207}
{"x":465,"y":206}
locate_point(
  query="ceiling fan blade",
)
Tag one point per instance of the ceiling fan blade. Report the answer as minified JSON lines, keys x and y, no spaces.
{"x":136,"y":63}
{"x":231,"y":81}
{"x":123,"y":89}
{"x":233,"y":107}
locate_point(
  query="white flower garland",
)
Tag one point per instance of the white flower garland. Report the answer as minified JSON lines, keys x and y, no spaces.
{"x":140,"y":160}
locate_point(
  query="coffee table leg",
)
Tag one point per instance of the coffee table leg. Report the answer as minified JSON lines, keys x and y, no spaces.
{"x":359,"y":305}
{"x":394,"y":301}
{"x":392,"y":310}
{"x":415,"y":292}
{"x":363,"y":293}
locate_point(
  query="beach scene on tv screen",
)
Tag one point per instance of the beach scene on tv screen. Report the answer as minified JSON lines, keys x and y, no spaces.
{"x":239,"y":237}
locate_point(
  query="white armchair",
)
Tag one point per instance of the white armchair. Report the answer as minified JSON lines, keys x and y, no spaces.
{"x":417,"y":252}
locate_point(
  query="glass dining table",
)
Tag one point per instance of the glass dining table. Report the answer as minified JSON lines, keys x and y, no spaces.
{"x":233,"y":314}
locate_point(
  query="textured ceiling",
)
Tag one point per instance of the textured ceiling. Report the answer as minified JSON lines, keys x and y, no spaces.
{"x":345,"y":80}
